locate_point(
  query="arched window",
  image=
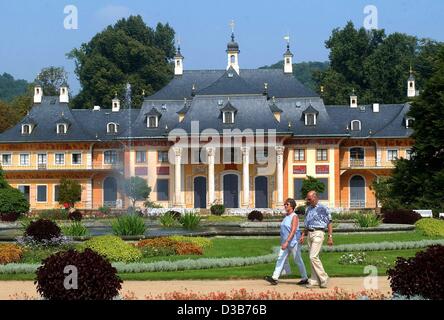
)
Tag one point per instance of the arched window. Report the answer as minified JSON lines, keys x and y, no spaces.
{"x":409,"y":122}
{"x":232,"y":58}
{"x":112,"y":127}
{"x":178,"y":62}
{"x":153,"y":122}
{"x":356,"y":125}
{"x":288,"y":60}
{"x":26,"y":129}
{"x":61,"y":128}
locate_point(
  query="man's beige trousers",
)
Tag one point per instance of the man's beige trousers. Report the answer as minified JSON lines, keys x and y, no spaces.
{"x":318,"y":274}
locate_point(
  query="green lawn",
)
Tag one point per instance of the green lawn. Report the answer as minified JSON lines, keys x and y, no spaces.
{"x":256,"y":246}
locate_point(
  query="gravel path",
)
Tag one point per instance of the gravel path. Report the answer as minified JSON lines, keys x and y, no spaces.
{"x":141,"y":288}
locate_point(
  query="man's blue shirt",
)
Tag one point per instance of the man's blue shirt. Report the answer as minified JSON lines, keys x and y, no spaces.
{"x":318,"y":216}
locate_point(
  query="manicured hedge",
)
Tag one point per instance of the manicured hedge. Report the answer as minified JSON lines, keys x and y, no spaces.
{"x":400,"y":216}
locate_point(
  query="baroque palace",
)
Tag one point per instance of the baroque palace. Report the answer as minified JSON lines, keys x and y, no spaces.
{"x":346,"y":147}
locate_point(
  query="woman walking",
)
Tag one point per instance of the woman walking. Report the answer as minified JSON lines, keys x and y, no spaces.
{"x":290,"y":235}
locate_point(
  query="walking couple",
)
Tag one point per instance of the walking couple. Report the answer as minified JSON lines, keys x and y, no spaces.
{"x":317,"y":220}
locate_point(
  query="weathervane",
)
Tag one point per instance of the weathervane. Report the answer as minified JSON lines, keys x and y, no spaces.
{"x":232,"y":24}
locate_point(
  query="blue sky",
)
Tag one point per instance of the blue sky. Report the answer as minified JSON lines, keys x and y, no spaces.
{"x":33,"y":36}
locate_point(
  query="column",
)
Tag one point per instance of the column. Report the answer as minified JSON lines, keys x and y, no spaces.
{"x":280,"y":175}
{"x":177,"y":176}
{"x":246,"y":175}
{"x":210,"y":156}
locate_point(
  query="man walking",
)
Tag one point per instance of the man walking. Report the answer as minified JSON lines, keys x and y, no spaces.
{"x":289,"y":244}
{"x":317,"y":219}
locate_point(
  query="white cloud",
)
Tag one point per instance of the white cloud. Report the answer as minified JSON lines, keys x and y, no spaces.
{"x":112,"y":13}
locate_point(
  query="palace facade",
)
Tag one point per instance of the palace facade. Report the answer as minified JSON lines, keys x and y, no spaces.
{"x":279,"y":132}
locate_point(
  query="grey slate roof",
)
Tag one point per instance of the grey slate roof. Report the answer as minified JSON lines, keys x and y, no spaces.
{"x":230,"y":83}
{"x":280,"y":85}
{"x":388,"y":122}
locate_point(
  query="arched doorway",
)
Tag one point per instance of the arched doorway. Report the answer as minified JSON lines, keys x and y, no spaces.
{"x":110,"y":192}
{"x":357,"y":192}
{"x":261,"y":192}
{"x":200,"y":192}
{"x":231,"y":191}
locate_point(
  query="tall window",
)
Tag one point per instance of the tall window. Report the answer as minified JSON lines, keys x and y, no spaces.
{"x":61,"y":128}
{"x":110,"y":157}
{"x":162,"y":189}
{"x":228,"y":117}
{"x":310,"y":119}
{"x":42,"y":193}
{"x":56,"y":193}
{"x":321,"y":155}
{"x":232,"y":58}
{"x":298,"y":188}
{"x":357,"y":157}
{"x":76,"y":158}
{"x":162,"y":156}
{"x":60,"y":158}
{"x":140,"y":156}
{"x":24,"y":159}
{"x":324,"y":195}
{"x":392,"y":155}
{"x":6,"y":159}
{"x":299,"y":154}
{"x":152,"y":122}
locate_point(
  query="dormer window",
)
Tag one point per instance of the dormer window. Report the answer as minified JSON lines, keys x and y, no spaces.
{"x":152,"y":118}
{"x":26,"y":129}
{"x":356,"y":125}
{"x":112,"y":128}
{"x":153,"y":122}
{"x":228,"y":117}
{"x":62,"y":128}
{"x":228,"y":113}
{"x":310,"y":115}
{"x":310,"y":119}
{"x":409,"y":122}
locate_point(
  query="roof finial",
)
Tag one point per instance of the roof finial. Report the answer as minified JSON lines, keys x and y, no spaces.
{"x":287,"y":38}
{"x":232,"y":25}
{"x":143,"y":92}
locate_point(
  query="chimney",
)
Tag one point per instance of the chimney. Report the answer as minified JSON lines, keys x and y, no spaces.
{"x":375,"y":107}
{"x":353,"y":100}
{"x":38,"y":94}
{"x":115,"y":104}
{"x":96,"y":108}
{"x":64,"y":95}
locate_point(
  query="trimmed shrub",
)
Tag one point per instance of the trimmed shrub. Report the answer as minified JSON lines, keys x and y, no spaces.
{"x":217,"y":209}
{"x":400,"y":216}
{"x":12,"y":204}
{"x":129,"y":225}
{"x":255,"y":215}
{"x":42,"y":229}
{"x":190,"y":220}
{"x":10,"y":253}
{"x":75,"y":216}
{"x":421,"y":275}
{"x":113,"y":248}
{"x":431,"y":227}
{"x":54,"y":214}
{"x":97,"y":278}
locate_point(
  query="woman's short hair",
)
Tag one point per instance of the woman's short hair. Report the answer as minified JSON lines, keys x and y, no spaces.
{"x":292,"y":202}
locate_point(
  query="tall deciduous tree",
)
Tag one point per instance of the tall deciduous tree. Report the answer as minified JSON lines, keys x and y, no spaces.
{"x":128,"y":52}
{"x":51,"y":79}
{"x":418,"y":183}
